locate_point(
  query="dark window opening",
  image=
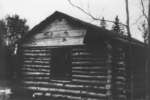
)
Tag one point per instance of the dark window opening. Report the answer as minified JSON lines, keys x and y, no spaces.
{"x":61,"y":63}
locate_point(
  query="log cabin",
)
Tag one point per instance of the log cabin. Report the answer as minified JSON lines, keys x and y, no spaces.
{"x":65,"y":58}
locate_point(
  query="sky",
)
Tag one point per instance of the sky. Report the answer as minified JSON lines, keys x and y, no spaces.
{"x":37,"y":10}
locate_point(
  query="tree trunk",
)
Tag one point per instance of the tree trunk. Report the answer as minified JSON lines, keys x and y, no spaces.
{"x":131,"y":65}
{"x":127,"y":19}
{"x":148,"y":59}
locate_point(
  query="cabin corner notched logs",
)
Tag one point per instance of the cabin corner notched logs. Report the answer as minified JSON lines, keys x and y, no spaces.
{"x":96,"y":74}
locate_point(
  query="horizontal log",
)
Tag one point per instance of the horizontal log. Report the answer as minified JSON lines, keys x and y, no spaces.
{"x":36,"y":73}
{"x":121,"y":96}
{"x":59,"y":96}
{"x":35,"y":82}
{"x":89,"y":76}
{"x":35,"y":50}
{"x":84,"y":49}
{"x":35,"y":69}
{"x":37,"y":58}
{"x":64,"y":97}
{"x":39,"y":78}
{"x":122,"y":78}
{"x":35,"y":78}
{"x":89,"y":81}
{"x":33,"y":63}
{"x":36,"y":62}
{"x":72,"y":85}
{"x":91,"y":56}
{"x":50,"y":82}
{"x":36,"y":66}
{"x":119,"y":88}
{"x":89,"y":67}
{"x":121,"y":69}
{"x":36,"y":47}
{"x":119,"y":72}
{"x":81,"y":53}
{"x":120,"y":83}
{"x":25,"y":76}
{"x":36,"y":54}
{"x":86,"y":95}
{"x":101,"y":80}
{"x":88,"y":59}
{"x":100,"y":51}
{"x":69,"y":92}
{"x":88,"y":72}
{"x":37,"y":94}
{"x":97,"y":89}
{"x":45,"y":84}
{"x":83,"y":86}
{"x":121,"y":63}
{"x":88,"y":63}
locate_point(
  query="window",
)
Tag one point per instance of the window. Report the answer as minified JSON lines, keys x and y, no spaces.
{"x":61,"y":63}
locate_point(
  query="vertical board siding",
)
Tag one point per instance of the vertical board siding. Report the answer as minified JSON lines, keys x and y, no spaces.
{"x":59,"y":32}
{"x":91,"y":74}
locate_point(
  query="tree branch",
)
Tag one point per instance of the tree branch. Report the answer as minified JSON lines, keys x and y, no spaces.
{"x":143,"y":10}
{"x":89,"y":14}
{"x":127,"y":18}
{"x":137,"y":20}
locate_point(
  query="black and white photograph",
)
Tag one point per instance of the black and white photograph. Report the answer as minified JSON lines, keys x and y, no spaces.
{"x":74,"y":49}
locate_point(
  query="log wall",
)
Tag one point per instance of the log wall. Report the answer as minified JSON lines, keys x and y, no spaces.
{"x":121,"y":74}
{"x":96,"y":74}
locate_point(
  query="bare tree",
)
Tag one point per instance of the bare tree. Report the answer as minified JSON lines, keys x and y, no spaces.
{"x":88,"y":13}
{"x":148,"y":59}
{"x":130,"y":51}
{"x":127,"y":18}
{"x":143,"y":27}
{"x":146,"y":28}
{"x":144,"y":10}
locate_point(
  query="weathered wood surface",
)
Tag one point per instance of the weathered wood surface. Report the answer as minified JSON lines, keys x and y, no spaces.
{"x":59,"y":32}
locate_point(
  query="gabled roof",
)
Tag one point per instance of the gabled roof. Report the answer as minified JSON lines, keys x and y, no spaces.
{"x":97,"y":31}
